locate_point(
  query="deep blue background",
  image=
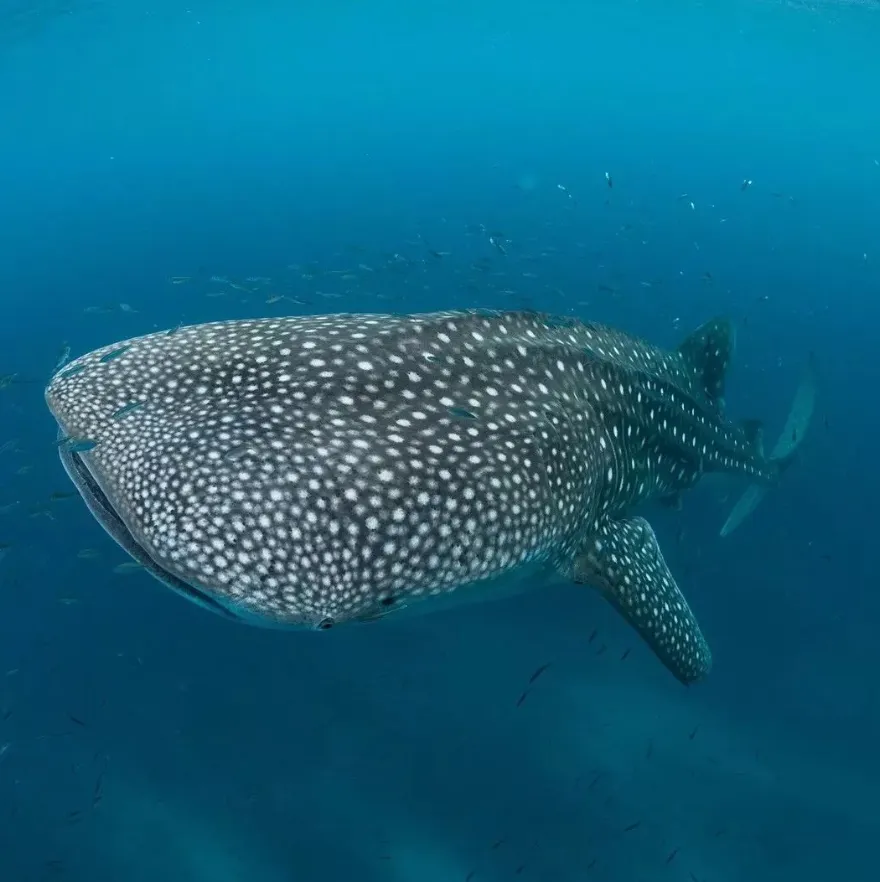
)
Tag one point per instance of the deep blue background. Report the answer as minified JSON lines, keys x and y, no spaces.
{"x":144,"y":140}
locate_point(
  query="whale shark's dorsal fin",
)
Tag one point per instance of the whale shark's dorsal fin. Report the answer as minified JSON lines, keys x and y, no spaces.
{"x":624,"y":560}
{"x":708,"y":352}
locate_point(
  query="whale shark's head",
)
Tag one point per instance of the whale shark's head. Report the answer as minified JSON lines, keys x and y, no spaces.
{"x":310,"y":471}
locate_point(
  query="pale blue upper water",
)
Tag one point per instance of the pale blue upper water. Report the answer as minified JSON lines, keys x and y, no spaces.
{"x":329,"y":156}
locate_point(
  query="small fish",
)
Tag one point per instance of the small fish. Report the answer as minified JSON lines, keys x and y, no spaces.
{"x":72,"y":371}
{"x":63,"y":357}
{"x":62,"y":494}
{"x":98,"y":792}
{"x":608,"y":180}
{"x":745,"y":184}
{"x":77,"y":445}
{"x":498,"y":244}
{"x":114,"y":354}
{"x":129,"y":566}
{"x":461,"y":413}
{"x":538,"y":672}
{"x":126,"y":409}
{"x":88,"y":554}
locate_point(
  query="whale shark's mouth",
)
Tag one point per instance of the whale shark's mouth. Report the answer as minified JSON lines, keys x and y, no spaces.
{"x":107,"y":516}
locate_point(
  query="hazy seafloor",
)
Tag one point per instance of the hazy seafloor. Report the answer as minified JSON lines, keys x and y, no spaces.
{"x":165,"y":162}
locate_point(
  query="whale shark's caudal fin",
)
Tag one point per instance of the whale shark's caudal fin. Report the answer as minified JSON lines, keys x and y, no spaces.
{"x":785,"y":450}
{"x":624,"y":560}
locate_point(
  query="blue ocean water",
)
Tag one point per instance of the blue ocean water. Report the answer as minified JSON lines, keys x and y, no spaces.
{"x":165,"y":162}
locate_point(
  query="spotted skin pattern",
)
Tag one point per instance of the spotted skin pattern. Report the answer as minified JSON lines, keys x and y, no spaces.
{"x":315,"y":470}
{"x":624,"y":560}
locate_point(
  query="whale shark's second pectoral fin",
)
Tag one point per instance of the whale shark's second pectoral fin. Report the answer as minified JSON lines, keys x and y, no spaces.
{"x":624,"y":560}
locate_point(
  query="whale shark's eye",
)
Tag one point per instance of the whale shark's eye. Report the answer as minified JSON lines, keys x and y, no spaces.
{"x":325,"y":624}
{"x":388,"y":600}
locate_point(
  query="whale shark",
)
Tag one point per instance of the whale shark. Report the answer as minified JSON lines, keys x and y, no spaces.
{"x":314,"y":471}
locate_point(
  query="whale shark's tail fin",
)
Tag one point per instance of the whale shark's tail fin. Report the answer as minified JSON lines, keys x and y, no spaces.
{"x":786,"y":447}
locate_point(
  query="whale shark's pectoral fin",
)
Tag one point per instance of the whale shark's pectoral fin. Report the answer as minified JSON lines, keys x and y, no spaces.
{"x":624,"y":560}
